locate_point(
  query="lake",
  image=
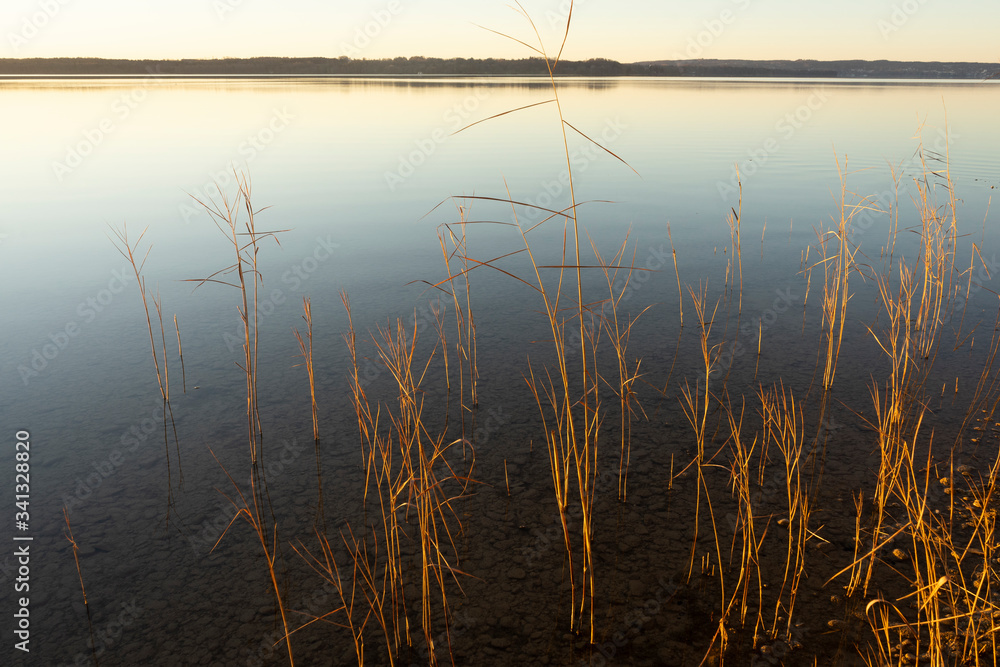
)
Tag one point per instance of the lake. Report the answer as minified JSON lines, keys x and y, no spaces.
{"x":359,"y":175}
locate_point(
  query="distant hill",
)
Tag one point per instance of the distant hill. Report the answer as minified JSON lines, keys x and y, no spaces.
{"x":853,"y":69}
{"x":420,"y":66}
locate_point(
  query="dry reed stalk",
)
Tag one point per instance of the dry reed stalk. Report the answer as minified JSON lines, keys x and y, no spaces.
{"x":696,"y":401}
{"x":158,"y":304}
{"x":939,"y":239}
{"x":560,"y":461}
{"x":735,"y":219}
{"x":443,"y":338}
{"x":466,"y":347}
{"x":582,"y":441}
{"x":245,"y":240}
{"x":572,"y":444}
{"x":180,"y":353}
{"x":695,"y":405}
{"x":955,"y":580}
{"x":897,"y":414}
{"x":953,"y":603}
{"x":619,"y":334}
{"x":986,"y":396}
{"x":883,"y":628}
{"x":362,"y":408}
{"x":407,"y":469}
{"x":86,"y":604}
{"x":472,"y":347}
{"x":953,"y":618}
{"x":571,"y":431}
{"x":364,"y":582}
{"x":836,"y":272}
{"x":762,"y":233}
{"x":422,"y":456}
{"x":744,"y":527}
{"x":389,"y":480}
{"x":253,"y":514}
{"x":976,"y":252}
{"x":670,"y":485}
{"x":677,"y":273}
{"x":306,"y":351}
{"x":130,"y":251}
{"x":784,"y":428}
{"x":236,"y":218}
{"x":856,"y":566}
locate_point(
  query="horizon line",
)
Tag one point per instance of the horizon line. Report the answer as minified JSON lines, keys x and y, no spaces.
{"x":602,"y":58}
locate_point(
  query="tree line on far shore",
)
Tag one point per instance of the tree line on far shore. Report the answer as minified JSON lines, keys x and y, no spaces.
{"x":421,"y":66}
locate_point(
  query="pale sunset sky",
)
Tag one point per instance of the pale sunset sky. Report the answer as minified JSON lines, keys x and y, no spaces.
{"x":625,"y":30}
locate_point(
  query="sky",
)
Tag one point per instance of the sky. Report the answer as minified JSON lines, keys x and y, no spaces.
{"x":624,"y":30}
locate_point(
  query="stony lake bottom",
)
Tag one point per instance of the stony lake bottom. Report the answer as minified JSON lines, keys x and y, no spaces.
{"x":740,"y":503}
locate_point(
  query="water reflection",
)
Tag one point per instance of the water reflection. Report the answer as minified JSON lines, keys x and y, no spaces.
{"x":355,"y":170}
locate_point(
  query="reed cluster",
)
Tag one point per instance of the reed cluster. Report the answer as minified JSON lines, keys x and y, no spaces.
{"x":133,"y":252}
{"x":236,"y":218}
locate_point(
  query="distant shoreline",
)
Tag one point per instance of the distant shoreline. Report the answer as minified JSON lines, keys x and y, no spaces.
{"x":437,"y":68}
{"x":459,"y":77}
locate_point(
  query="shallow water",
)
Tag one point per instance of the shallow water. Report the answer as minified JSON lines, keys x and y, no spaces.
{"x":354,"y":170}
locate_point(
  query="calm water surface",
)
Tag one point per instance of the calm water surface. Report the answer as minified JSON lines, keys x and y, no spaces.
{"x":355,"y":171}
